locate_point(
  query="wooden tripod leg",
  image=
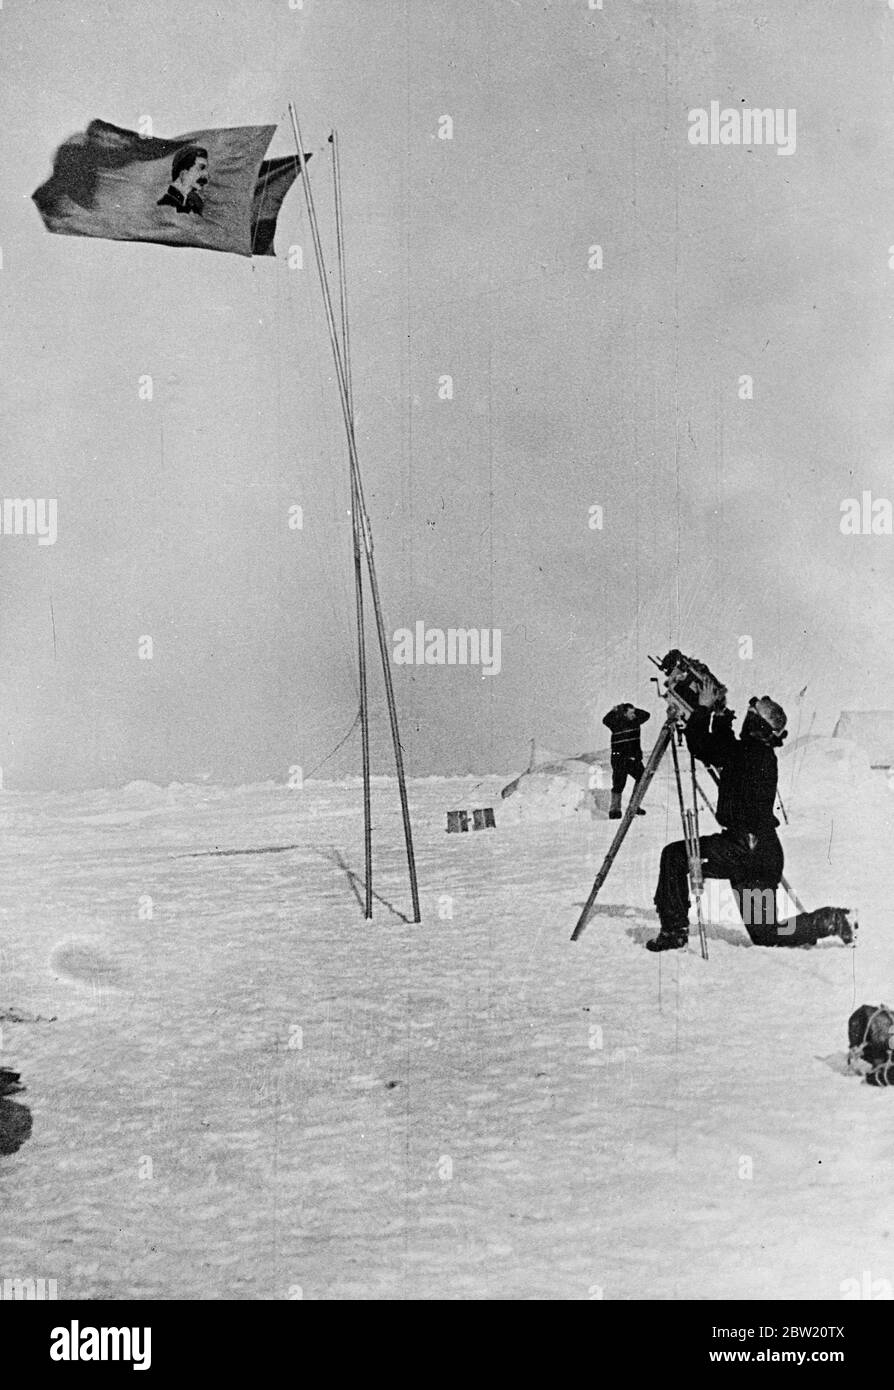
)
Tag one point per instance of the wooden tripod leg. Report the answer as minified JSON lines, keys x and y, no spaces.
{"x":639,"y":792}
{"x":696,"y":878}
{"x":696,"y":871}
{"x":679,"y":782}
{"x":689,"y":820}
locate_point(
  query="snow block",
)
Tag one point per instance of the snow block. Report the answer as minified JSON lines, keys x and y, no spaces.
{"x":482,"y":819}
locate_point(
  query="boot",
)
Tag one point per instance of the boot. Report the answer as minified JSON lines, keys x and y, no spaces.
{"x":848,"y":929}
{"x":640,"y":811}
{"x":808,"y":928}
{"x":669,"y":939}
{"x":614,"y":811}
{"x":836,"y":921}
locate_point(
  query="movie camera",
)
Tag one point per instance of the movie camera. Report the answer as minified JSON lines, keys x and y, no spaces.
{"x":684,"y":679}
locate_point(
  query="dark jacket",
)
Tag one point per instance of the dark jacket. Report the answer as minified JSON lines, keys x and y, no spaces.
{"x":625,"y":731}
{"x":748,"y":772}
{"x":175,"y":199}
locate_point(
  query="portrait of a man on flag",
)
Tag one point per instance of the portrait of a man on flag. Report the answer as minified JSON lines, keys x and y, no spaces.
{"x":189,"y":178}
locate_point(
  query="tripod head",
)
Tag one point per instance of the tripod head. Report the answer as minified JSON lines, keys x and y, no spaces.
{"x":684,"y":678}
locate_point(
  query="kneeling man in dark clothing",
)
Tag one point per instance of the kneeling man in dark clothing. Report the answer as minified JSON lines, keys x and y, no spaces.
{"x":747,"y":851}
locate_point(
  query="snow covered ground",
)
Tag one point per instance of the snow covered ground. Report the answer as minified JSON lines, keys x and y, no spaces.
{"x":249,"y":1092}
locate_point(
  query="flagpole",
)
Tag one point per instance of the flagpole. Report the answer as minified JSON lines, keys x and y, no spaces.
{"x":366,"y":531}
{"x":355,"y":525}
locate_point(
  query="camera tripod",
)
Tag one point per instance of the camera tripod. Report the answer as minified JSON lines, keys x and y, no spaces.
{"x":671,"y":734}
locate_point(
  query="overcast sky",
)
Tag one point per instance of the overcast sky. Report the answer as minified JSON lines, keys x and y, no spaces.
{"x":572,"y":387}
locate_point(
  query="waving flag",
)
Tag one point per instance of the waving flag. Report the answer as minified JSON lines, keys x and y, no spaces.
{"x":209,"y":188}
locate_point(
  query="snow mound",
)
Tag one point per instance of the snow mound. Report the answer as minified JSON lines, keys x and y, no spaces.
{"x":873,"y":730}
{"x":142,"y":791}
{"x":547,"y":796}
{"x":828,"y":772}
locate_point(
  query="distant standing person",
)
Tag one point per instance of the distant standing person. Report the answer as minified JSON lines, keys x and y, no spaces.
{"x":625,"y":722}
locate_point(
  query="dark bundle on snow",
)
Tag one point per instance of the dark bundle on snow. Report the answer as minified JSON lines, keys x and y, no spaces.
{"x":870,"y":1033}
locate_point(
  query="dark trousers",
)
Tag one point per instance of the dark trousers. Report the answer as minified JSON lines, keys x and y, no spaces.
{"x":753,"y":872}
{"x":625,"y":765}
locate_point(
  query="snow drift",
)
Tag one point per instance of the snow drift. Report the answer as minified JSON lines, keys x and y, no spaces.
{"x":555,"y":785}
{"x":873,"y":730}
{"x":239,"y":1089}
